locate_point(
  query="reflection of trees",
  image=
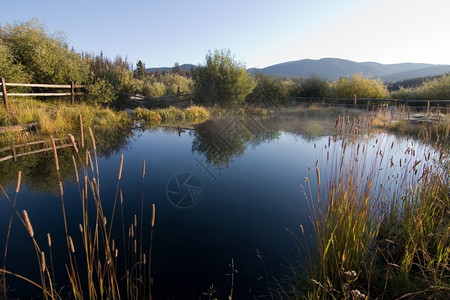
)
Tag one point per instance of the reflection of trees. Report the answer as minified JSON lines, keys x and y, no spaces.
{"x":221,"y":140}
{"x":38,"y":170}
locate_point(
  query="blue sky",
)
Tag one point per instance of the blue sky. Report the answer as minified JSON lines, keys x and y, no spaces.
{"x":258,"y":33}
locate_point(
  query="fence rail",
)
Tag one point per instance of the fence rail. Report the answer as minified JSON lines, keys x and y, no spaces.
{"x":355,"y":100}
{"x":14,"y":149}
{"x":70,"y":86}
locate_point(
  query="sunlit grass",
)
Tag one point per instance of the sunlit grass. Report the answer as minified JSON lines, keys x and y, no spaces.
{"x":380,"y":227}
{"x":60,"y":117}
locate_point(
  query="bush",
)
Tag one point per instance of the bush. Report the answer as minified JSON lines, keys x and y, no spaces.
{"x":359,"y":86}
{"x":311,"y":87}
{"x":222,"y":80}
{"x":46,"y":58}
{"x":432,"y":89}
{"x":11,"y":71}
{"x":174,"y":81}
{"x":100,"y":91}
{"x":269,"y":90}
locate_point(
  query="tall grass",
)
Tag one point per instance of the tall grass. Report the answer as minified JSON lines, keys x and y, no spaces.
{"x":95,"y":267}
{"x":192,"y":113}
{"x":380,"y":226}
{"x":57,"y":118}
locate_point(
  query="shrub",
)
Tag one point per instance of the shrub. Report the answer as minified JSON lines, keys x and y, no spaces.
{"x":222,"y":80}
{"x":100,"y":91}
{"x":46,"y":58}
{"x":195,"y":112}
{"x":269,"y":90}
{"x":359,"y":86}
{"x":311,"y":87}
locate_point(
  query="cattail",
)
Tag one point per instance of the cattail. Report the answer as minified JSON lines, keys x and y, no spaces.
{"x":90,"y":161}
{"x":301,"y":228}
{"x":143,"y":168}
{"x":61,"y":188}
{"x":19,"y":179}
{"x":318,"y":176}
{"x":92,"y":139}
{"x":135,"y":220}
{"x":76,"y":169}
{"x":72,"y":140}
{"x":116,"y":253}
{"x":120,"y":167}
{"x":145,"y":259}
{"x":43,"y":264}
{"x":81,"y":130}
{"x":49,"y":240}
{"x":135,"y":246}
{"x":28,"y":223}
{"x":81,"y":228}
{"x":55,"y":153}
{"x":72,"y":247}
{"x":153,"y":215}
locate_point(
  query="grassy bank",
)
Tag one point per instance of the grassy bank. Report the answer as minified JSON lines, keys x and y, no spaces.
{"x":380,"y":228}
{"x":60,"y":118}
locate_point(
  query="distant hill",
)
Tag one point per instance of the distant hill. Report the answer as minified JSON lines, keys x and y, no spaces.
{"x":184,"y":67}
{"x":333,"y":68}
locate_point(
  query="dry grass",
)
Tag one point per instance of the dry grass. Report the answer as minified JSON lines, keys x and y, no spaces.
{"x":381,"y":227}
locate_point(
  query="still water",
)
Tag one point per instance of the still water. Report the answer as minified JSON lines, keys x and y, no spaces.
{"x":224,"y":190}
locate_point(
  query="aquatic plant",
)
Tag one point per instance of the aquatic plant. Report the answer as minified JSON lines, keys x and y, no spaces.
{"x":93,"y":262}
{"x":380,"y":227}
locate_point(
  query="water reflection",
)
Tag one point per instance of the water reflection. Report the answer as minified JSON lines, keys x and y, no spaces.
{"x":261,"y":162}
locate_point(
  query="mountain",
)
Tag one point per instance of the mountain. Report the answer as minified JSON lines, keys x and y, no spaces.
{"x":333,"y":68}
{"x":184,"y":67}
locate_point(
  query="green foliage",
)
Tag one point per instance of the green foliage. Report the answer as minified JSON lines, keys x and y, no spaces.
{"x":153,"y":89}
{"x":46,"y":58}
{"x":311,"y":87}
{"x":433,"y":89}
{"x":140,"y":70}
{"x":9,"y":69}
{"x":222,"y":80}
{"x":269,"y":90}
{"x":100,"y":91}
{"x":359,"y":86}
{"x":174,"y":81}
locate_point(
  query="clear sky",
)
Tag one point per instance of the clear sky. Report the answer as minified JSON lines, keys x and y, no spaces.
{"x":259,"y":33}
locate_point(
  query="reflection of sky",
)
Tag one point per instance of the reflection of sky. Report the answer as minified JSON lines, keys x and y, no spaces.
{"x":249,"y":206}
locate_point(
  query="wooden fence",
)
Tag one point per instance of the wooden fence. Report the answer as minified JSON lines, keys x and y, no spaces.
{"x":42,"y":146}
{"x":70,"y":86}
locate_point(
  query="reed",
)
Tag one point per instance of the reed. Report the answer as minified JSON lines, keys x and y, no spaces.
{"x":93,"y":266}
{"x":380,"y":227}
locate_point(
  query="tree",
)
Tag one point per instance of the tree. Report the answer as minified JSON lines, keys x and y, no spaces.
{"x":140,"y":70}
{"x":11,"y":71}
{"x":312,"y":87}
{"x":222,"y":80}
{"x":268,"y":91}
{"x":46,"y":58}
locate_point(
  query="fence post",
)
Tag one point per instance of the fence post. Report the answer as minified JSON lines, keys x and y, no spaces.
{"x":72,"y":92}
{"x":5,"y":95}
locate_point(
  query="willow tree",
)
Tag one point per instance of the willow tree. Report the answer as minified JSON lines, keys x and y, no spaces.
{"x":46,"y":58}
{"x":222,"y":79}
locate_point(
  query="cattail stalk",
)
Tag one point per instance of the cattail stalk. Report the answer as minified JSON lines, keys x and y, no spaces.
{"x":28,"y":223}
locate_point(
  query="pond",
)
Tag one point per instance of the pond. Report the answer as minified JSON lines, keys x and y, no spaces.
{"x":227,"y":193}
